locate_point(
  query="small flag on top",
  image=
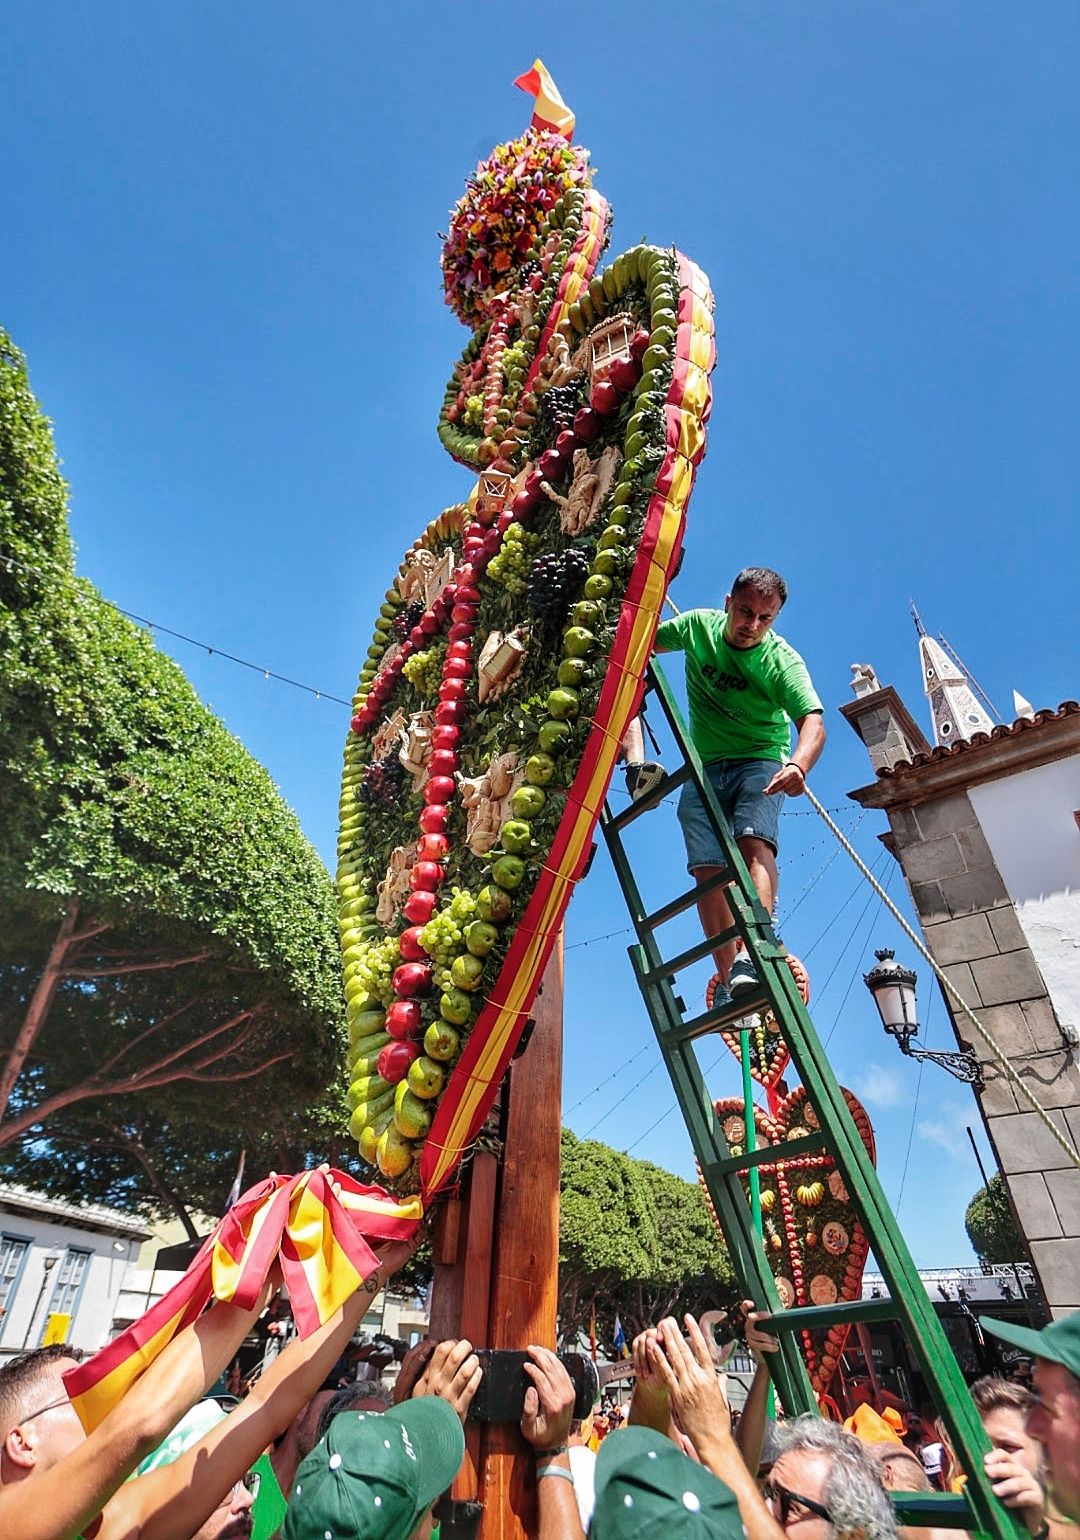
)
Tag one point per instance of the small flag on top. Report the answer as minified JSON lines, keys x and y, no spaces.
{"x":550,"y":111}
{"x":620,"y":1340}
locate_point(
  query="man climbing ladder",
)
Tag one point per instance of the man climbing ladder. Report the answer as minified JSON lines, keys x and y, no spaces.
{"x":745,"y":685}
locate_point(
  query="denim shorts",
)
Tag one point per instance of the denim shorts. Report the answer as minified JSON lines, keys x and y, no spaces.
{"x":739,"y":785}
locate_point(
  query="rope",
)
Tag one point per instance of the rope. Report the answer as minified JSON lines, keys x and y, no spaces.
{"x":949,"y":987}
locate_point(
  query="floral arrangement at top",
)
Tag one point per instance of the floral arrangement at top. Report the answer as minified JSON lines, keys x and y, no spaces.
{"x":506,"y":200}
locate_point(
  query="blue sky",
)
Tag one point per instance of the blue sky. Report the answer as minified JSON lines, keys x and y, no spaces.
{"x":221,"y":258}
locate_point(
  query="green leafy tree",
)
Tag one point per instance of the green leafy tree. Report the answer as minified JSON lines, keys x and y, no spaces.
{"x":634,"y":1239}
{"x":990,"y":1225}
{"x":169,"y":934}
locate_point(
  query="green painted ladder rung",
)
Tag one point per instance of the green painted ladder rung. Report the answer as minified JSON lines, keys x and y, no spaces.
{"x":718,"y":1017}
{"x":924,"y":1509}
{"x":766,"y":1155}
{"x":657,"y":795}
{"x":977,"y":1510}
{"x":846,"y":1312}
{"x":669,"y":966}
{"x":684,"y":901}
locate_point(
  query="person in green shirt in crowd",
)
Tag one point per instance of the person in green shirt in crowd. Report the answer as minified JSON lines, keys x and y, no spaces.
{"x":746,"y":686}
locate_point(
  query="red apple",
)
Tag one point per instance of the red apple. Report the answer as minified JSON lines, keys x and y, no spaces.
{"x":605,"y":398}
{"x":492,"y":541}
{"x":412,"y":979}
{"x":459,"y":650}
{"x":552,"y":463}
{"x":393,"y":1062}
{"x":417,"y":636}
{"x":396,"y":665}
{"x":440,"y":788}
{"x":624,"y":374}
{"x":586,"y":424}
{"x":403,"y":1019}
{"x":428,"y":624}
{"x":454,"y":711}
{"x":453,"y":689}
{"x":446,"y":737}
{"x":417,"y":909}
{"x":639,"y":344}
{"x":467,"y":593}
{"x":433,"y":819}
{"x":456,"y":668}
{"x":533,"y":485}
{"x":463,"y":614}
{"x":432,"y":847}
{"x":409,"y":944}
{"x":465,"y":574}
{"x":359,"y":722}
{"x":566,"y":443}
{"x":442,"y":762}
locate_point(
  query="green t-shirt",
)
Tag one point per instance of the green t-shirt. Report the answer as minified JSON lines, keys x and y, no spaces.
{"x":742,"y":701}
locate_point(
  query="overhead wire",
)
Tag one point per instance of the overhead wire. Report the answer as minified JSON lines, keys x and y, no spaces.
{"x":11,"y":564}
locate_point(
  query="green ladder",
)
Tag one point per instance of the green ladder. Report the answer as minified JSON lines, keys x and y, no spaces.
{"x":976,"y":1509}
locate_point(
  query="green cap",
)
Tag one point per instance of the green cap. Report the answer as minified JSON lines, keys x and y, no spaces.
{"x":373,"y":1474}
{"x":645,"y":1486}
{"x":1059,"y":1342}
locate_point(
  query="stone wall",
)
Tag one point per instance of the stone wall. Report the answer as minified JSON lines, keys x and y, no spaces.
{"x":972,"y":930}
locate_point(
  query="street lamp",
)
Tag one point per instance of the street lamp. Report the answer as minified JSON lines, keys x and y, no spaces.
{"x":893,"y":989}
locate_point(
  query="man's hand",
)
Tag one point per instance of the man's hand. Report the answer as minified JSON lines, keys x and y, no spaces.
{"x":549,"y":1401}
{"x":650,"y":1406}
{"x":686,"y":1368}
{"x":1015,"y":1486}
{"x":759,"y":1342}
{"x":453,"y":1374}
{"x":789,"y":779}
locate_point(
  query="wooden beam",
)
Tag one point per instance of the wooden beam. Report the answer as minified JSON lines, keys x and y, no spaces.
{"x":525,"y":1281}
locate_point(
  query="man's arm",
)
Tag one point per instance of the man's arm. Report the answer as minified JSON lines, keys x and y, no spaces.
{"x":60,"y":1503}
{"x":751,"y":1434}
{"x":697,"y":1401}
{"x":791,"y":777}
{"x":171,"y":1503}
{"x":545,"y":1424}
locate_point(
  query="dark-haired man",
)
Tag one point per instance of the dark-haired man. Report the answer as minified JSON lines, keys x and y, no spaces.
{"x":745,"y":686}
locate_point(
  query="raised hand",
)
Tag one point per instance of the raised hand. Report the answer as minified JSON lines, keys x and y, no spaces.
{"x":686,"y":1367}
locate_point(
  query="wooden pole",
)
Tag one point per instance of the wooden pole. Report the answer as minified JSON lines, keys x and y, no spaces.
{"x":497,"y":1259}
{"x":525,"y":1284}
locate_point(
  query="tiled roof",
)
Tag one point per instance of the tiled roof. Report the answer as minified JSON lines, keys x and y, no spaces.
{"x":92,"y":1216}
{"x":942,"y":751}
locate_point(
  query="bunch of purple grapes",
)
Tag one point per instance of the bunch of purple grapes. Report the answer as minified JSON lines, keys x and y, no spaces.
{"x":556,"y":582}
{"x":383,"y":781}
{"x":407,"y":617}
{"x":557,"y":408}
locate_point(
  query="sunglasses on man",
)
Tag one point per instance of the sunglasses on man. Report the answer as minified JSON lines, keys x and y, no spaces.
{"x":786,"y":1502}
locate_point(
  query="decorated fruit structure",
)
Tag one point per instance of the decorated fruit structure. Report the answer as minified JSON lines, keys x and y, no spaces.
{"x":812,"y":1236}
{"x":508,"y":654}
{"x":769,"y":1054}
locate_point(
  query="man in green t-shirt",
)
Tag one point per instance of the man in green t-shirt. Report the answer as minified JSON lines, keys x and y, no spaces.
{"x":745,"y":686}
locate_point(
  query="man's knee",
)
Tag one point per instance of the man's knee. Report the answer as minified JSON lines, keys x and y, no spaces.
{"x":755,"y":849}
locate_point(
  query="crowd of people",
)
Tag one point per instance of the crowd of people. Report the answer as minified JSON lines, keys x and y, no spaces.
{"x":301,"y":1459}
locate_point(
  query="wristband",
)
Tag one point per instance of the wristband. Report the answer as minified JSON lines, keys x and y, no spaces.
{"x":791,"y":764}
{"x":547,"y":1454}
{"x":555,"y":1470}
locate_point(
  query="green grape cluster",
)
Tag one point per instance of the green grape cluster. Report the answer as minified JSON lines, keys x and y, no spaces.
{"x":515,"y":358}
{"x":375,"y":968}
{"x":512,"y":563}
{"x":424,"y":671}
{"x":443,"y":937}
{"x":473,"y":416}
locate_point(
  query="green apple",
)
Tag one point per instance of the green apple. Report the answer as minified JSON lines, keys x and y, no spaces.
{"x":425,"y":1078}
{"x":442,"y":1041}
{"x":539,"y":768}
{"x":492,"y":903}
{"x":465,"y":971}
{"x":480,"y":937}
{"x":526,"y":802}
